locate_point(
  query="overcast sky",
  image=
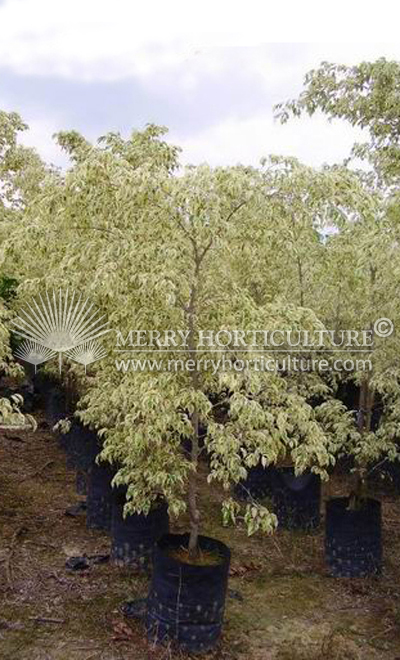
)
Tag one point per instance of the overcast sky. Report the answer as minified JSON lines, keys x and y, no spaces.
{"x":98,"y":66}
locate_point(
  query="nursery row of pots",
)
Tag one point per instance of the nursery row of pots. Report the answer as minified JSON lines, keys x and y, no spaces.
{"x":353,"y":536}
{"x":185,"y":601}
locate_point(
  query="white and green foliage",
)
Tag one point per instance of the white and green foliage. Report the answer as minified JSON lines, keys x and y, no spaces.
{"x":365,"y":277}
{"x":304,"y":210}
{"x":12,"y":418}
{"x":182,"y":252}
{"x":21,"y":172}
{"x":361,"y":274}
{"x":207,"y":249}
{"x":10,"y":408}
{"x":5,"y":351}
{"x":186,"y":285}
{"x":367,"y":96}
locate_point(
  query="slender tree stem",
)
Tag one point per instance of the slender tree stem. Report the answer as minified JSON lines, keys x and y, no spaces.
{"x":191,"y":310}
{"x":366,"y":401}
{"x":192,"y":491}
{"x":194,"y":454}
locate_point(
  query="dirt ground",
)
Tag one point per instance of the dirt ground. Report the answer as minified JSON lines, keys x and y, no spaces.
{"x":281,"y":603}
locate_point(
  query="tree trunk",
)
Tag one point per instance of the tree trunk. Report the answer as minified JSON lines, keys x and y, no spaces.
{"x":191,"y":312}
{"x":192,"y":493}
{"x":364,"y":419}
{"x":194,"y":513}
{"x":362,"y":405}
{"x":365,"y":408}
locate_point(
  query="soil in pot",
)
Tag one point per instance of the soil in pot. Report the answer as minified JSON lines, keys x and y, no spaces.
{"x":134,"y":537}
{"x":186,"y":601}
{"x":99,"y":497}
{"x":353,"y":538}
{"x":296,"y":499}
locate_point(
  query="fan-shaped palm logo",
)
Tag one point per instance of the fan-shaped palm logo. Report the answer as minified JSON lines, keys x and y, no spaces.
{"x":60,"y":323}
{"x":31,"y":351}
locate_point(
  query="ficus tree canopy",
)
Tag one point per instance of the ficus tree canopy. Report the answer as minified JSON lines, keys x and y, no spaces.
{"x":160,"y":251}
{"x":281,"y":247}
{"x":368,"y":96}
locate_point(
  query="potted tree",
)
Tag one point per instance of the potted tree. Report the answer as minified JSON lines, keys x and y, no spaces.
{"x":190,"y":284}
{"x":21,"y":172}
{"x":364,"y":95}
{"x":304,"y":206}
{"x":353,"y":525}
{"x":132,"y":167}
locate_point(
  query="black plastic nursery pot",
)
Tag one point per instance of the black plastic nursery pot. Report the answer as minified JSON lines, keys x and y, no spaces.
{"x":296,"y":499}
{"x":81,"y":482}
{"x":81,"y":445}
{"x":257,"y":484}
{"x":134,"y":537}
{"x":353,"y":538}
{"x":55,"y":403}
{"x":186,"y":603}
{"x":99,"y":497}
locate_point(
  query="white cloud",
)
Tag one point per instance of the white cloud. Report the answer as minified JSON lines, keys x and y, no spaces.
{"x":40,"y":136}
{"x":84,"y":39}
{"x":178,"y":47}
{"x":100,"y":39}
{"x":314,"y":141}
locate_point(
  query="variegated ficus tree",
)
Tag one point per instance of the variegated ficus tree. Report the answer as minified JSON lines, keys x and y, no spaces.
{"x":361,"y":276}
{"x":282,"y":247}
{"x":21,"y":172}
{"x":208,"y":250}
{"x":361,"y":273}
{"x":311,"y":217}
